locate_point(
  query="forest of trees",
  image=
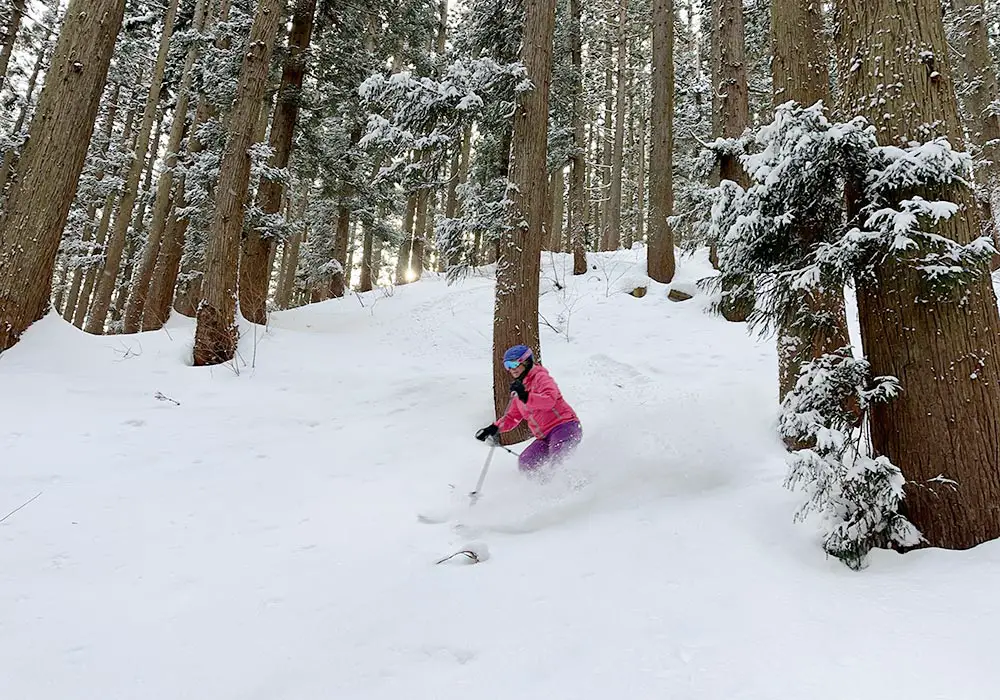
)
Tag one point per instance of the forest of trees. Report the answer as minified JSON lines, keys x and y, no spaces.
{"x":218,"y":158}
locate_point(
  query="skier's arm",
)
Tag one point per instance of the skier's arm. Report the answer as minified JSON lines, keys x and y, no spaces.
{"x":543,"y":394}
{"x":510,"y":420}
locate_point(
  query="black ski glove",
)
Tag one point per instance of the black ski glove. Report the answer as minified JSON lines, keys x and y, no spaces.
{"x":517,"y":387}
{"x":487,"y":432}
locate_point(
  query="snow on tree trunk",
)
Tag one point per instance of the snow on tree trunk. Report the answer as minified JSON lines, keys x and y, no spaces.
{"x":50,"y":165}
{"x":732,"y":102}
{"x":126,"y":203}
{"x":614,"y":229}
{"x":893,"y":59}
{"x":578,"y":169}
{"x":136,"y":306}
{"x":640,"y":178}
{"x":800,"y":72}
{"x":88,"y":233}
{"x":558,"y":199}
{"x":661,"y":264}
{"x":977,"y":92}
{"x":518,"y":268}
{"x":256,"y":250}
{"x":10,"y":36}
{"x":216,"y":332}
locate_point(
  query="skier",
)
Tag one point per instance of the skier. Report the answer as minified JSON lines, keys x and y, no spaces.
{"x":535,"y":398}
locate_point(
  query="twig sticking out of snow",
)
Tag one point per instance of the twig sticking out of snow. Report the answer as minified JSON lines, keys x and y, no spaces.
{"x":161,"y":397}
{"x":20,"y":506}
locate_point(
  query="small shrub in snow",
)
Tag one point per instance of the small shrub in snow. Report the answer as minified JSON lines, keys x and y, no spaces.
{"x":857,"y":496}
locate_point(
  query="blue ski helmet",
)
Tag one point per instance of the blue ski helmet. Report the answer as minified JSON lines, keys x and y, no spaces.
{"x":516,"y":355}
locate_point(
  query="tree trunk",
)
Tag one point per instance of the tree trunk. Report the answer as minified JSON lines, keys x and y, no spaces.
{"x":732,"y":104}
{"x":90,"y":279}
{"x":292,"y":264}
{"x":578,"y":168}
{"x":946,"y":355}
{"x":161,"y":205}
{"x":51,"y":162}
{"x":9,"y":36}
{"x":640,"y":178}
{"x":216,"y":332}
{"x":558,"y":198}
{"x":516,"y":311}
{"x":978,"y":89}
{"x":660,"y":262}
{"x":405,"y":248}
{"x":618,"y":154}
{"x":606,"y":146}
{"x":256,"y":250}
{"x":126,"y":204}
{"x":800,"y":72}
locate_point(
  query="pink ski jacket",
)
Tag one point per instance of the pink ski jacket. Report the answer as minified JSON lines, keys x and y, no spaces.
{"x":545,"y":409}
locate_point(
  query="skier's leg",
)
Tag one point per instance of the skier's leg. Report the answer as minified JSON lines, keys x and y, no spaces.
{"x":533,"y":456}
{"x":563,"y":440}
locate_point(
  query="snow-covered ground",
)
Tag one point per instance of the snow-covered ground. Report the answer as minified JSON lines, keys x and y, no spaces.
{"x":260,"y":540}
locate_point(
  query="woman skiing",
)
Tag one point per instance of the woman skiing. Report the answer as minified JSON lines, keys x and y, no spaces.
{"x":535,"y":398}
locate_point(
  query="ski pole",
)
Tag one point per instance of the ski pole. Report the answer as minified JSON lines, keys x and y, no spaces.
{"x":474,"y":496}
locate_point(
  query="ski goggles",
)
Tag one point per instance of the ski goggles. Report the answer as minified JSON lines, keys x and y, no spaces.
{"x":514,"y":364}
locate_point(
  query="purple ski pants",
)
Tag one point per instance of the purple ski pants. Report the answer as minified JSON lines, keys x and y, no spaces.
{"x":552,"y":448}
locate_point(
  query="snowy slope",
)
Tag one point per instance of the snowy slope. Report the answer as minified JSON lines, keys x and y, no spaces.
{"x":260,"y":540}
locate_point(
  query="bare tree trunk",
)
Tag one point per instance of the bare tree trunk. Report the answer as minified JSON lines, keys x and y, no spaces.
{"x":660,"y":262}
{"x":578,"y":170}
{"x":977,"y":92}
{"x":292,"y":264}
{"x":216,"y":332}
{"x":640,"y":178}
{"x":9,"y":36}
{"x":946,"y":355}
{"x":618,"y":155}
{"x":516,"y":311}
{"x":558,"y":199}
{"x":254,"y":274}
{"x":126,"y":204}
{"x":800,"y":72}
{"x":606,"y":145}
{"x":50,"y":166}
{"x":161,"y":205}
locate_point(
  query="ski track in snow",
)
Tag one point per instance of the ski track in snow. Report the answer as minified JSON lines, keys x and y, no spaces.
{"x":260,"y":540}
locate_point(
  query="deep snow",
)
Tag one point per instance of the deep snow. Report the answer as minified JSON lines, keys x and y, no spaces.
{"x":260,"y":540}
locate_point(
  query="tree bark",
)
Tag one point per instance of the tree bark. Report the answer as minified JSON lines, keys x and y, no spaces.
{"x":255,"y":275}
{"x":977,"y":91}
{"x":9,"y":37}
{"x":661,"y":263}
{"x":216,"y":332}
{"x":945,"y":354}
{"x":516,"y":311}
{"x":578,"y":168}
{"x":50,"y":165}
{"x":126,"y":204}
